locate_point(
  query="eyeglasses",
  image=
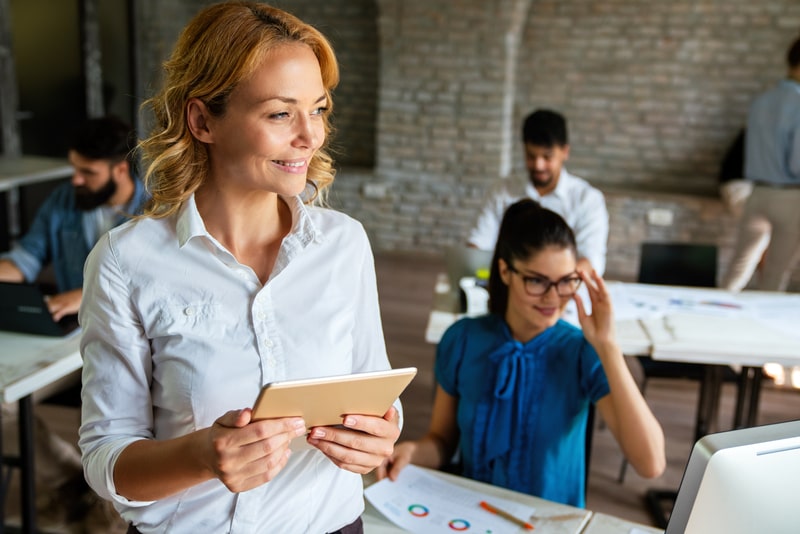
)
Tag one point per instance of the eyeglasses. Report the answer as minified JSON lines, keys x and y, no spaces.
{"x":536,"y":286}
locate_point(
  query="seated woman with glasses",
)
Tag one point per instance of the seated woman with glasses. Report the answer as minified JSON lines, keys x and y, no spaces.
{"x":514,"y":387}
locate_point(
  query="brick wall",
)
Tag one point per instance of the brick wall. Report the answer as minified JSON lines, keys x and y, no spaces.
{"x":433,"y":93}
{"x":351,"y":26}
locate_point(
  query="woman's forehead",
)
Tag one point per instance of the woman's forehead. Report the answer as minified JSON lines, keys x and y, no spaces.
{"x":549,"y":259}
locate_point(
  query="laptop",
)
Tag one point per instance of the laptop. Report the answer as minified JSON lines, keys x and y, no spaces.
{"x":23,"y":309}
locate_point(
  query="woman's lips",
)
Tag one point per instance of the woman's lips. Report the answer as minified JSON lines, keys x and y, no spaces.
{"x":547,"y":311}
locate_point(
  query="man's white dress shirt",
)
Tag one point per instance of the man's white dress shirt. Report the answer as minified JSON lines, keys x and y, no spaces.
{"x":176,"y":332}
{"x":580,"y":204}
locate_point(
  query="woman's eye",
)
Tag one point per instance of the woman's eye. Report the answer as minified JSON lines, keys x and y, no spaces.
{"x":320,"y":111}
{"x":279,"y":115}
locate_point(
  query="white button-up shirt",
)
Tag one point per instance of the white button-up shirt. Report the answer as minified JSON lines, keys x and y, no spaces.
{"x":176,"y":332}
{"x":580,"y":204}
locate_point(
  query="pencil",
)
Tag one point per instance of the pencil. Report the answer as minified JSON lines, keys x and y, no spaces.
{"x":505,"y":515}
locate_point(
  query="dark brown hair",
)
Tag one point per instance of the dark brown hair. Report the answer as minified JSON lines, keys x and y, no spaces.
{"x":527,"y":228}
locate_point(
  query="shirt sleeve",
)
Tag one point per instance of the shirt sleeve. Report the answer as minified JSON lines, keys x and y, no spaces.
{"x":28,"y":264}
{"x":449,"y":355}
{"x":115,"y":352}
{"x":369,"y":344}
{"x":591,"y":230}
{"x":33,"y":250}
{"x":369,"y":352}
{"x":484,"y":234}
{"x":794,"y":154}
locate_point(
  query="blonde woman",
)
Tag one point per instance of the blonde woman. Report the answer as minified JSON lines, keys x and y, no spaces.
{"x":233,"y":278}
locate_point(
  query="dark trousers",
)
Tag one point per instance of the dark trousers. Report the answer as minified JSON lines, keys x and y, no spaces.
{"x":356,"y":527}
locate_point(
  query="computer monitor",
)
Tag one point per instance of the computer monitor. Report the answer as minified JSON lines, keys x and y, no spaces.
{"x":741,"y":481}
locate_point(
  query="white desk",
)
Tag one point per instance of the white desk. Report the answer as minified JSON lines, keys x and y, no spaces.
{"x":713,"y":326}
{"x":601,"y":523}
{"x":550,"y":518}
{"x":717,"y":328}
{"x":27,"y":364}
{"x":26,"y":170}
{"x":694,"y":325}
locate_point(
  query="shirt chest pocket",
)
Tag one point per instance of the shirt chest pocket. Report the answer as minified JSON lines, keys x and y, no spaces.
{"x":191,"y":321}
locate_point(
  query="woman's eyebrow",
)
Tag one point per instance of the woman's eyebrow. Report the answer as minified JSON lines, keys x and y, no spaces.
{"x":290,"y":100}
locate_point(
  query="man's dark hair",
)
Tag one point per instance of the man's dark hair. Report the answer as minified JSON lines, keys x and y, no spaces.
{"x":793,"y":55}
{"x":545,"y":127}
{"x":107,"y":137}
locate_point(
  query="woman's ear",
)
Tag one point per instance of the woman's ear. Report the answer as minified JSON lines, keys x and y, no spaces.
{"x":197,"y":116}
{"x":505,"y":272}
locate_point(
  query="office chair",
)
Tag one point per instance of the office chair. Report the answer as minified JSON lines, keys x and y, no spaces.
{"x":681,"y":264}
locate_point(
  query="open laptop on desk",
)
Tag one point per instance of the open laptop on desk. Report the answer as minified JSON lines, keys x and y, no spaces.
{"x":23,"y":309}
{"x":741,"y":481}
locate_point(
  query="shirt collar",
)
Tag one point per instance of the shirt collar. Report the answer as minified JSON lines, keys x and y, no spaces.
{"x":794,"y":84}
{"x":189,"y":223}
{"x":304,"y":231}
{"x":561,"y":191}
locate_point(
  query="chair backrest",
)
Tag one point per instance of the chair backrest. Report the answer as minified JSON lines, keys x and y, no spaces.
{"x":678,"y":264}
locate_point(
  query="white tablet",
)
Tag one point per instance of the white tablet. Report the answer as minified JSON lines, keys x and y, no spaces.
{"x":324,"y":401}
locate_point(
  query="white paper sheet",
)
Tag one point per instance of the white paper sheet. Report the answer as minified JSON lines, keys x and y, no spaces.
{"x":423,"y":503}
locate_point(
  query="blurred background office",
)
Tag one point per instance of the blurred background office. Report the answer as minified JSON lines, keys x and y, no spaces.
{"x":428,"y":112}
{"x":433,"y":92}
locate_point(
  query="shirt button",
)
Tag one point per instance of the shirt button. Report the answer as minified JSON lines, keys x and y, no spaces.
{"x":188,"y":311}
{"x":271,"y":362}
{"x":261,"y":315}
{"x":268,"y":343}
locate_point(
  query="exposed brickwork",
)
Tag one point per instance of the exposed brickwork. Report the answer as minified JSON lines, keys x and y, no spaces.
{"x":433,"y":92}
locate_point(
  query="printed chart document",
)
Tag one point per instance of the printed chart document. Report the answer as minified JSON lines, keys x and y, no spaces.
{"x":420,"y":502}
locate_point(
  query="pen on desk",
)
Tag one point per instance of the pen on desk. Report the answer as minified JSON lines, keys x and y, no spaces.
{"x":721,"y":304}
{"x":505,"y":515}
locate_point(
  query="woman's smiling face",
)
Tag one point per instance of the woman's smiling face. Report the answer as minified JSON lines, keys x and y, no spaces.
{"x":273,"y":123}
{"x":528,"y":315}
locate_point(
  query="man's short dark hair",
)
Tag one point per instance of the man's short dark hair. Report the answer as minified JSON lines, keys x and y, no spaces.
{"x":107,"y":137}
{"x":545,"y":127}
{"x":793,"y":55}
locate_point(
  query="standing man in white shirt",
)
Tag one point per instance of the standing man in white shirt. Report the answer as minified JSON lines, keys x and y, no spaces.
{"x":544,"y":135}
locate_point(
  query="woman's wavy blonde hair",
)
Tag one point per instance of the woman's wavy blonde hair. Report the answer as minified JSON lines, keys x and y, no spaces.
{"x":222,"y":45}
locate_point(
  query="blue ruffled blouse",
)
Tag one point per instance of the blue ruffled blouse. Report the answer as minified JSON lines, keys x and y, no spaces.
{"x":522,"y":407}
